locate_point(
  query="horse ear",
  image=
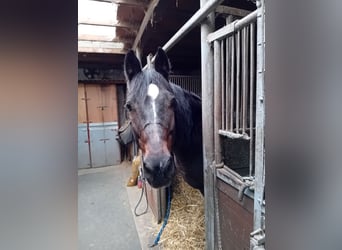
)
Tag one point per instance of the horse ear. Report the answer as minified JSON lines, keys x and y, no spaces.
{"x":162,"y":63}
{"x":132,"y":65}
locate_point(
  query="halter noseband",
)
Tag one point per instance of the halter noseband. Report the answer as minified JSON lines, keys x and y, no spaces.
{"x":156,"y":123}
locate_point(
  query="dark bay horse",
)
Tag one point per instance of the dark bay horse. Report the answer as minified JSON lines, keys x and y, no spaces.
{"x":167,"y":123}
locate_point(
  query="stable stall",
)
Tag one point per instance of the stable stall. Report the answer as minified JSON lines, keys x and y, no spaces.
{"x":216,"y":49}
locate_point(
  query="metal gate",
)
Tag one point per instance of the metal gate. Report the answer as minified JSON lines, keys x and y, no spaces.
{"x":191,"y":83}
{"x":238,"y":133}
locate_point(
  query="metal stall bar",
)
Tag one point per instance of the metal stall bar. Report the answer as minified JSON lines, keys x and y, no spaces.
{"x":251,"y":99}
{"x":229,"y":19}
{"x":217,"y":100}
{"x":260,"y":119}
{"x":218,"y":61}
{"x":222,"y":84}
{"x":226,"y":114}
{"x":238,"y":75}
{"x":237,"y":81}
{"x":244,"y":79}
{"x":207,"y":71}
{"x":233,"y":27}
{"x":232,"y":84}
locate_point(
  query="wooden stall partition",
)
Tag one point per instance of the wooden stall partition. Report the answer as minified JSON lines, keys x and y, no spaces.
{"x":236,"y":217}
{"x":156,"y":201}
{"x":98,"y":125}
{"x":94,"y":103}
{"x":109,"y":103}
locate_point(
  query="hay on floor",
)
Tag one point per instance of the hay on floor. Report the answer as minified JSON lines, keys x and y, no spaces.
{"x":185,"y":227}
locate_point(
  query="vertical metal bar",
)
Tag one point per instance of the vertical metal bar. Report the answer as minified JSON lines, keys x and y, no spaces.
{"x":217,"y":98}
{"x":247,"y":75}
{"x":251,"y":99}
{"x":227,"y":90}
{"x":244,"y":78}
{"x":207,"y":73}
{"x":260,"y":118}
{"x":232,"y":78}
{"x":229,"y":19}
{"x":188,"y":83}
{"x":222,"y":83}
{"x":238,"y":76}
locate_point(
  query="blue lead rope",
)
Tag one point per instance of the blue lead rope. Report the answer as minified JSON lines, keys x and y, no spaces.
{"x":165,"y":218}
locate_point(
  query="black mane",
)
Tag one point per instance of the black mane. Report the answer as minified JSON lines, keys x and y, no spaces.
{"x":188,"y":139}
{"x":188,"y":117}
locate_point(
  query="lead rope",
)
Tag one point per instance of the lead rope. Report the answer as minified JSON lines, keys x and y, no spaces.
{"x":143,"y":189}
{"x":141,"y":178}
{"x":156,"y":241}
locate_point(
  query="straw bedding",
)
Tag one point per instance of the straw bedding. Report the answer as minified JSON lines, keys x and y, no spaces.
{"x":185,"y":228}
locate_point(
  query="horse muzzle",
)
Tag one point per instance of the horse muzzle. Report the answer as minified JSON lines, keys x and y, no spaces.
{"x":159,"y":170}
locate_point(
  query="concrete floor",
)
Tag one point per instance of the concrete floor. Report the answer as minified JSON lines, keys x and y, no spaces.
{"x":106,"y":220}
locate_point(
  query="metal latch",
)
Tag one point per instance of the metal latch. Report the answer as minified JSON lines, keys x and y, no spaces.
{"x":257,"y":240}
{"x":244,"y":186}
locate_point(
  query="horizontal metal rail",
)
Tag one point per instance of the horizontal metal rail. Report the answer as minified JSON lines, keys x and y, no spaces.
{"x":233,"y":135}
{"x":231,"y":28}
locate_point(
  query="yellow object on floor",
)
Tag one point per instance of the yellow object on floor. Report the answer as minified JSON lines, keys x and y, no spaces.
{"x":133,"y":180}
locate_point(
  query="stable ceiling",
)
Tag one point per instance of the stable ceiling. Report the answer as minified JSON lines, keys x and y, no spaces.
{"x":108,"y":28}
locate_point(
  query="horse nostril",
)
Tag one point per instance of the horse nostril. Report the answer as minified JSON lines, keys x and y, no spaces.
{"x":147,"y":167}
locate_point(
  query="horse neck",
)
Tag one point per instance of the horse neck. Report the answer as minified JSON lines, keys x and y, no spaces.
{"x":188,"y":121}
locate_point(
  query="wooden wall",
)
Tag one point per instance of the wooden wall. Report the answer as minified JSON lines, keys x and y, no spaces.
{"x":101,"y":103}
{"x":236,"y":217}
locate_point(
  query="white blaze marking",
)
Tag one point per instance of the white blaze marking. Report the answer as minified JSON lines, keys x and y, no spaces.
{"x":153,"y":92}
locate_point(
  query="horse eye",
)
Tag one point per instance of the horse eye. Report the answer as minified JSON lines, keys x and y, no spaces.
{"x":128,"y":106}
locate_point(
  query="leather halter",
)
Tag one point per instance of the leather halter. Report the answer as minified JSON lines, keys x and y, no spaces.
{"x":156,"y":123}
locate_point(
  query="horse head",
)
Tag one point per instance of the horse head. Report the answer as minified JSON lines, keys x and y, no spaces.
{"x":150,"y":105}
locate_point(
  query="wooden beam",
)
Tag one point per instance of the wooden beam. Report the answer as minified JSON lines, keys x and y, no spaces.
{"x":153,"y":4}
{"x":231,"y":11}
{"x":101,"y":50}
{"x":121,"y":24}
{"x":126,"y":41}
{"x":101,"y":47}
